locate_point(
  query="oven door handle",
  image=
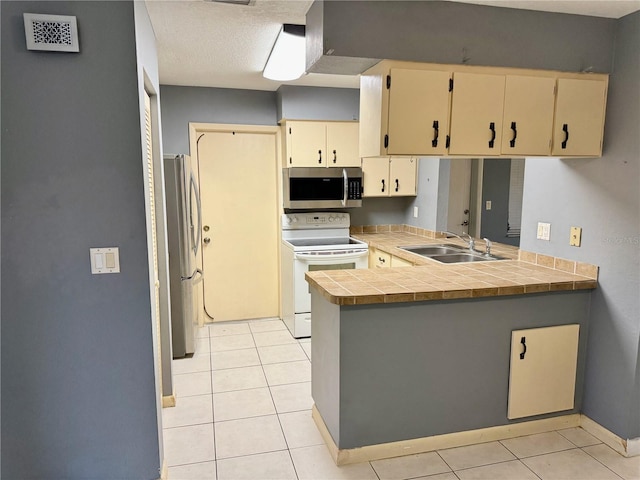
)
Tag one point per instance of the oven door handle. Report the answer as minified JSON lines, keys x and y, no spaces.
{"x":337,"y":256}
{"x":345,"y":187}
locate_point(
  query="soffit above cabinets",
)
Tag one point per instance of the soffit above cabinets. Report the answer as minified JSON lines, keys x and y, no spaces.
{"x":213,"y":44}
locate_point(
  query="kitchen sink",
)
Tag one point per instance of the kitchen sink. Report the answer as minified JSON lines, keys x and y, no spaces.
{"x":449,"y":253}
{"x":462,"y":258}
{"x":429,"y":250}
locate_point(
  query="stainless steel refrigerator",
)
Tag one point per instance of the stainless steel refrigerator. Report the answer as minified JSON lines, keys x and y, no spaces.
{"x":184,"y":221}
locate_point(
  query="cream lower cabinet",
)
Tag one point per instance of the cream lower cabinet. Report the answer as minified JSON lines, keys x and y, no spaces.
{"x":476,"y":114}
{"x":399,"y":262}
{"x":542,"y":375}
{"x":321,"y":144}
{"x":389,"y":176}
{"x":579,"y":117}
{"x":379,"y":259}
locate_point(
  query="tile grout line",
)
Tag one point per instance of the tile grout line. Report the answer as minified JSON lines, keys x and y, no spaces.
{"x":605,"y":466}
{"x":520,"y":459}
{"x":295,"y":471}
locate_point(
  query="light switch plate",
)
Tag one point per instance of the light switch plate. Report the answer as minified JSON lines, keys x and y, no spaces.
{"x":105,"y":260}
{"x":576,"y":236}
{"x":487,"y":205}
{"x":544,"y":231}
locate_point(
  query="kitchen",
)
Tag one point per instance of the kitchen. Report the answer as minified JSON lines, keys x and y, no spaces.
{"x":607,"y":212}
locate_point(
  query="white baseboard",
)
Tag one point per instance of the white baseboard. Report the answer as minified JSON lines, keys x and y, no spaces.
{"x":169,"y":400}
{"x":626,"y":447}
{"x":164,"y":471}
{"x":439,"y":442}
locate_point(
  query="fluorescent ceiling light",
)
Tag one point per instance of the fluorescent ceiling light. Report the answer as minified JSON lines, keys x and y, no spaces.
{"x":286,"y":61}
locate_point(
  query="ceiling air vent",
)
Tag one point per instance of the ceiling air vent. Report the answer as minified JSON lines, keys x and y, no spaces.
{"x":53,"y":33}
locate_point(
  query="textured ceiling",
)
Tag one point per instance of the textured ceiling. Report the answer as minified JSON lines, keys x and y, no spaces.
{"x":202,"y":43}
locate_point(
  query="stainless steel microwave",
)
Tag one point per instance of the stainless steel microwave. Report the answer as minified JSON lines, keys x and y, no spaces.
{"x":332,"y":187}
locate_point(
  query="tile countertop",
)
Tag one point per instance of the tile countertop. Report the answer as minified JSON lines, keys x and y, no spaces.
{"x":429,"y":279}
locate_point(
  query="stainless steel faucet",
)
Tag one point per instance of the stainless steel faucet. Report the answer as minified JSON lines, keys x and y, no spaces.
{"x":488,"y":247}
{"x":471,"y":242}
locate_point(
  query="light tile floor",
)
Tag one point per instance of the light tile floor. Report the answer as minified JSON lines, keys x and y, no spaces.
{"x":244,"y":412}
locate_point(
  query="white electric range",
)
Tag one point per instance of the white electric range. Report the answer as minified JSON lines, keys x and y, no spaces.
{"x":313,"y":241}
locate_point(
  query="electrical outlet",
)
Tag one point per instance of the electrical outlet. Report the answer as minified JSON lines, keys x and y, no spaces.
{"x":415,"y":212}
{"x":487,"y":205}
{"x":544,"y":231}
{"x":575,"y":237}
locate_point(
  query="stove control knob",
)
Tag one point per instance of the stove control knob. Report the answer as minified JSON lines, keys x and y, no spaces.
{"x":288,"y":219}
{"x":331,"y":219}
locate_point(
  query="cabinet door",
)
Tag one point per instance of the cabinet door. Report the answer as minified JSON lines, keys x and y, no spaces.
{"x":579,"y":117}
{"x":402,"y":176}
{"x":528,"y":115}
{"x":400,"y":262}
{"x":342,"y":144}
{"x":476,"y":114}
{"x":419,"y":103}
{"x":375,"y":172}
{"x":306,"y":144}
{"x":542,"y":376}
{"x":380,"y":259}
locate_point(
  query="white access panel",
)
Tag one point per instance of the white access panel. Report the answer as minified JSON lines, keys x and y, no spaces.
{"x":542,"y":377}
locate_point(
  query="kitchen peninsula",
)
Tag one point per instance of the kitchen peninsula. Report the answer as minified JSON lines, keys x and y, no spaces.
{"x":403,"y":356}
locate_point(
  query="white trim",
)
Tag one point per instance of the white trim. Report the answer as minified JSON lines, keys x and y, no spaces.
{"x":626,"y":447}
{"x":169,"y":400}
{"x":439,"y":442}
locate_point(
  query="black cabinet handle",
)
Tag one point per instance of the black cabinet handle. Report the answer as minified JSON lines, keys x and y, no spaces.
{"x":335,"y":157}
{"x":492,"y":127}
{"x":319,"y":156}
{"x":512,"y":143}
{"x":397,"y":185}
{"x":436,"y":134}
{"x":382,"y":185}
{"x":523,"y":341}
{"x":565,"y":129}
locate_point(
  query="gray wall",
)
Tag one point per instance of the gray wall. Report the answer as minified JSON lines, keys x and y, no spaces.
{"x":602,"y":196}
{"x":313,"y":103}
{"x":412,"y":370}
{"x":447,"y":32}
{"x":495,"y":187}
{"x":77,"y":349}
{"x":181,"y":105}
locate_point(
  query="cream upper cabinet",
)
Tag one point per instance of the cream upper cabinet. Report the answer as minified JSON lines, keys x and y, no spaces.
{"x":375,"y":173}
{"x":419,"y":102}
{"x":403,"y":172}
{"x":389,"y":176}
{"x":579,"y":117}
{"x":342,"y":144}
{"x":528,"y":115}
{"x":542,"y":375}
{"x":476,"y":114}
{"x":411,"y":108}
{"x":321,"y":144}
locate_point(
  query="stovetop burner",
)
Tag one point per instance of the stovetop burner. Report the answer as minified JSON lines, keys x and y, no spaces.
{"x":321,"y":242}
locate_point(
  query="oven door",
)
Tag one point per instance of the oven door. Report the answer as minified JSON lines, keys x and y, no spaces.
{"x":310,"y":262}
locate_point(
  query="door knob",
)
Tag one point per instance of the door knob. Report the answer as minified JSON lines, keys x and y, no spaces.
{"x":206,"y":240}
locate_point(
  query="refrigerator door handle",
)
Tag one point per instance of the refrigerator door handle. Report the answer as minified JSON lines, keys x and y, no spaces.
{"x":195,"y":274}
{"x":196,"y":230}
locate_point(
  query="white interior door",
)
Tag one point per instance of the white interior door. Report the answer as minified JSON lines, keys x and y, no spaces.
{"x":459,"y":194}
{"x":238,"y":184}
